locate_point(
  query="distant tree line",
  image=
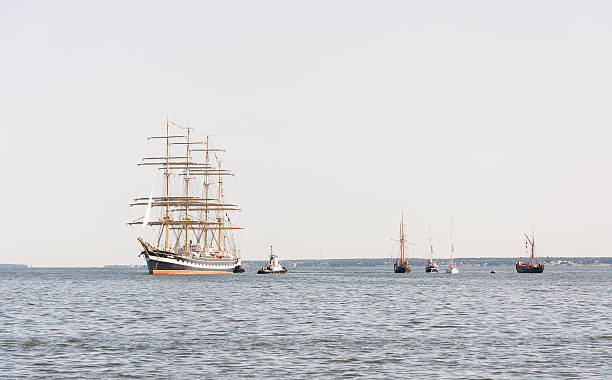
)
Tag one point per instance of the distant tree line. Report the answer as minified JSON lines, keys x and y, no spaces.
{"x":468,"y":261}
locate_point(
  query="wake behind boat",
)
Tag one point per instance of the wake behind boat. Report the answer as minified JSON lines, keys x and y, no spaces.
{"x":274,"y":267}
{"x":192,"y":231}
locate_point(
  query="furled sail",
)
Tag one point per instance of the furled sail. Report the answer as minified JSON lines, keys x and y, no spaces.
{"x":147,"y":216}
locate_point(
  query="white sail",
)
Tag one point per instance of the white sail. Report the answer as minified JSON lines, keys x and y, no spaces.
{"x":147,"y":216}
{"x":451,"y":267}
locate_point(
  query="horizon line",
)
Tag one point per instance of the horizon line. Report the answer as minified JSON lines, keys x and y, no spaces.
{"x":306,"y":259}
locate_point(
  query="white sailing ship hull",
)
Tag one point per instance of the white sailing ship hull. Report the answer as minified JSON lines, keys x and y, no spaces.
{"x":164,"y":263}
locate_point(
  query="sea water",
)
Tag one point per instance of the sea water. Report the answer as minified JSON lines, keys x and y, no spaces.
{"x":327,"y":323}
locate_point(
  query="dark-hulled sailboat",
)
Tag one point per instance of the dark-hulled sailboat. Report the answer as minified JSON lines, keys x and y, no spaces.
{"x":532,"y":266}
{"x":403,"y":264}
{"x":432,"y":265}
{"x":192,"y":233}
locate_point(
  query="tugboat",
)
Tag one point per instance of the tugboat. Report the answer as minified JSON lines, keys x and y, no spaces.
{"x":432,"y":265}
{"x":451,"y":266}
{"x":403,"y":265}
{"x":531,"y":266}
{"x":273,"y":267}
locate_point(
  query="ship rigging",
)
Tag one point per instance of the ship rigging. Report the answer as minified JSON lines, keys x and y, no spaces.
{"x":532,"y":266}
{"x":403,"y":264}
{"x":194,"y":231}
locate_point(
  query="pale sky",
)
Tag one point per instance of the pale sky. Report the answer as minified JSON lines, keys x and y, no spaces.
{"x":336,"y":116}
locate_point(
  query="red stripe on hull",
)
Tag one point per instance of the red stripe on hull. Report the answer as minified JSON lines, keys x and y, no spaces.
{"x":168,"y":272}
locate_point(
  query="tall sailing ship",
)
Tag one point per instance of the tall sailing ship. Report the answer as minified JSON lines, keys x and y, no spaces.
{"x":403,"y":264}
{"x":191,"y":231}
{"x":532,"y":266}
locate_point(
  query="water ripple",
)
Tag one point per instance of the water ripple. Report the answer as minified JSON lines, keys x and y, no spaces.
{"x":84,"y":323}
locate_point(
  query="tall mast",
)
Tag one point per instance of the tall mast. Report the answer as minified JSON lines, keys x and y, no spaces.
{"x":402,"y":239}
{"x":430,"y":245}
{"x":187,"y":245}
{"x":532,"y":247}
{"x":452,"y":245}
{"x":167,"y":219}
{"x":206,"y":184}
{"x":220,"y":217}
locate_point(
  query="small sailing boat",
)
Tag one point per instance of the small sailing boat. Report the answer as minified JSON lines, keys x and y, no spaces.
{"x":451,"y":266}
{"x":403,"y":265}
{"x":274,"y":267}
{"x":432,"y":265}
{"x":531,"y":266}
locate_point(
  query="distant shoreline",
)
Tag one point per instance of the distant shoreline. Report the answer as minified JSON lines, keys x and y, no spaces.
{"x":373,"y":262}
{"x":466,"y":261}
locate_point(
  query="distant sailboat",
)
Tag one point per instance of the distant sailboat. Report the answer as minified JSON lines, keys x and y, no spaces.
{"x":531,"y":266}
{"x":432,"y":265}
{"x":403,"y":265}
{"x":451,"y":266}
